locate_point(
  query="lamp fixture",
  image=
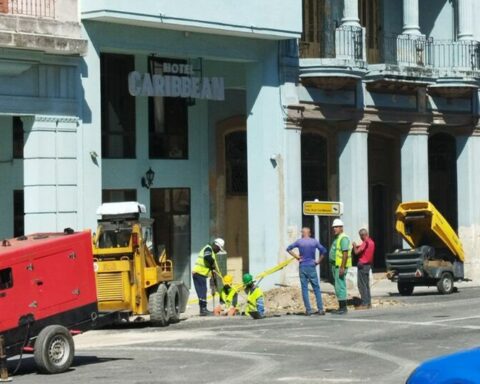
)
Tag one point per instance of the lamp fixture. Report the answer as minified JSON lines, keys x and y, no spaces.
{"x":147,"y":180}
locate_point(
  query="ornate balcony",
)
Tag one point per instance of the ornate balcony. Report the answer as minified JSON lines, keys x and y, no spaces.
{"x":34,"y":8}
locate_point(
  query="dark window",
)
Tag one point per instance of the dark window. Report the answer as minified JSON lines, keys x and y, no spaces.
{"x":236,"y":163}
{"x":118,"y":195}
{"x":168,"y":126}
{"x":6,"y":278}
{"x":118,"y":107}
{"x":171,"y":211}
{"x":18,"y":140}
{"x":18,"y":214}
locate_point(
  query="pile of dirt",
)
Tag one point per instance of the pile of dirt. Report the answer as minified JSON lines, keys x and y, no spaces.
{"x":288,"y":300}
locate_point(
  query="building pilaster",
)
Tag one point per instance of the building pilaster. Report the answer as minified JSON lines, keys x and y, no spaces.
{"x":353,"y":177}
{"x":468,"y":189}
{"x":414,"y":163}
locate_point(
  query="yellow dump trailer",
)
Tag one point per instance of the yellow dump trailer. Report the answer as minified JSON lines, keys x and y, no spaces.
{"x":130,"y":279}
{"x":436,"y":257}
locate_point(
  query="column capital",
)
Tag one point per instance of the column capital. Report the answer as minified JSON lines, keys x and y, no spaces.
{"x":419,"y":128}
{"x":362,"y":126}
{"x":294,"y":118}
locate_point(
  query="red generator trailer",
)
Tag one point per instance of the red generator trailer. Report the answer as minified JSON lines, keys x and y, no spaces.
{"x":47,"y":295}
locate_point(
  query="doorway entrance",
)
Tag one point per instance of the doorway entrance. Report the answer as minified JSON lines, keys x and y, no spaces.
{"x":170,"y":208}
{"x":314,"y":170}
{"x":442,"y":167}
{"x":384,"y":180}
{"x":232,"y":193}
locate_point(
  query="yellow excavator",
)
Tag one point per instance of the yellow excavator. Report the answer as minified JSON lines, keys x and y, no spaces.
{"x":131,"y":279}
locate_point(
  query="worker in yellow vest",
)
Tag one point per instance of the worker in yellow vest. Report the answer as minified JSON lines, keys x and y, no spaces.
{"x":340,"y":260}
{"x":228,"y":298}
{"x":255,"y":298}
{"x":205,"y":267}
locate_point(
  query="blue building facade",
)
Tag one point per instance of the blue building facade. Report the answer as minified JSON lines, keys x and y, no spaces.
{"x":196,"y":92}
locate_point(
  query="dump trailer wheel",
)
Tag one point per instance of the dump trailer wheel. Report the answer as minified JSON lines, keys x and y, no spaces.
{"x":405,"y":289}
{"x":445,"y":284}
{"x":158,"y":306}
{"x":54,"y":349}
{"x":173,"y":304}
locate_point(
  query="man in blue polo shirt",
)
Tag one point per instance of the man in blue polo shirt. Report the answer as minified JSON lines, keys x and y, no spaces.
{"x":308,"y":273}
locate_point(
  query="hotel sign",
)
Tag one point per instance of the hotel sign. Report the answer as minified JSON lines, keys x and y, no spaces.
{"x":176,"y":80}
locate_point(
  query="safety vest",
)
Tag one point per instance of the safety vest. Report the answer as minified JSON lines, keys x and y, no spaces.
{"x":339,"y":252}
{"x":200,"y":266}
{"x":252,"y":298}
{"x":227,"y":298}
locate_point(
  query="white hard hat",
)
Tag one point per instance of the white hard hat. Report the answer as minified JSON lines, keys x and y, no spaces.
{"x":337,"y":223}
{"x":220,"y":243}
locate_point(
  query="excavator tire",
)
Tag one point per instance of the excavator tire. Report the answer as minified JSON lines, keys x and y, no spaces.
{"x":173,"y":304}
{"x":158,"y":306}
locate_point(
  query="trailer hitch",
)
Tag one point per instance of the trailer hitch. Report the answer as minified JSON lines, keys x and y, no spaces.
{"x":3,"y":362}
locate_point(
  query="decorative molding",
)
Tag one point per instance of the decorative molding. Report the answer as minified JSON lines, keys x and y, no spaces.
{"x":294,"y":118}
{"x":419,"y":128}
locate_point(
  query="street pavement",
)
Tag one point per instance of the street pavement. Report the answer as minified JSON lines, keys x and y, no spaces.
{"x":382,"y":345}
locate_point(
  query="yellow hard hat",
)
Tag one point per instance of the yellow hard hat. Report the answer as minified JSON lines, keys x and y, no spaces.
{"x":228,"y":279}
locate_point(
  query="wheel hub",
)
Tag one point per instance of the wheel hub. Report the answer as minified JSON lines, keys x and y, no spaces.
{"x":59,"y":350}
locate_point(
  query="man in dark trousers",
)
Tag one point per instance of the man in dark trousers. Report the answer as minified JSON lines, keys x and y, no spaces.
{"x":205,"y":267}
{"x":307,"y":247}
{"x":365,"y":252}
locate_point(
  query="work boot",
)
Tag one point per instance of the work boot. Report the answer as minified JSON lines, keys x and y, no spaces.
{"x":342,"y":310}
{"x":205,"y":312}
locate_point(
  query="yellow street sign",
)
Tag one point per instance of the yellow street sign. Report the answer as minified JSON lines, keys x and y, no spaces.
{"x":322,"y":208}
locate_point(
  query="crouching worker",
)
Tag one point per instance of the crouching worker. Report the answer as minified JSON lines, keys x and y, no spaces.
{"x":228,"y":299}
{"x":255,"y":299}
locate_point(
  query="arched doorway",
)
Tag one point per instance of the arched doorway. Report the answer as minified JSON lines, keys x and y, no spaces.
{"x":232,"y":193}
{"x":442,"y":164}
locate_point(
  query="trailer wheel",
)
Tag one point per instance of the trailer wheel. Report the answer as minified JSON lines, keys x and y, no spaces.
{"x":158,"y":306}
{"x":173,"y":304}
{"x":54,"y":349}
{"x":405,"y":289}
{"x":445,"y":284}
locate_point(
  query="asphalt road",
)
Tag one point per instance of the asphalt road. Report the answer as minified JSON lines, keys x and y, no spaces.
{"x":376,"y":346}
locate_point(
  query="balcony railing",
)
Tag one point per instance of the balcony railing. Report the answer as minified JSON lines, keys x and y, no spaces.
{"x":418,"y":51}
{"x":34,"y":8}
{"x":349,"y":43}
{"x":464,"y":55}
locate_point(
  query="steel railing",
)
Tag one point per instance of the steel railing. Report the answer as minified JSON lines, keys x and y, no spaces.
{"x":407,"y":50}
{"x":34,"y":8}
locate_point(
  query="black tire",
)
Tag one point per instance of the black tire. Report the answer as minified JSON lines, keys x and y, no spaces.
{"x":173,"y":304}
{"x":445,"y":284}
{"x":405,"y":289}
{"x":54,"y":349}
{"x":158,"y":306}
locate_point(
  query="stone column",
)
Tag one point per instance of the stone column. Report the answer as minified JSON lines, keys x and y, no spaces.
{"x":468,"y":187}
{"x":465,"y":19}
{"x":414,"y":163}
{"x":411,"y":18}
{"x":350,"y":13}
{"x":353,"y":177}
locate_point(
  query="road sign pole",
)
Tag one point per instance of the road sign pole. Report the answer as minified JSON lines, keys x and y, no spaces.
{"x":316,"y":221}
